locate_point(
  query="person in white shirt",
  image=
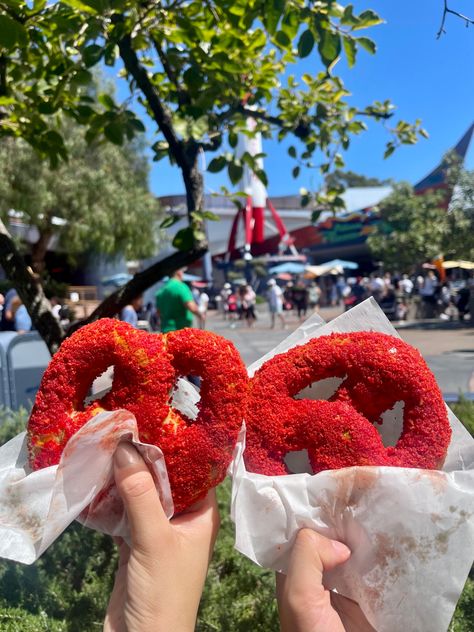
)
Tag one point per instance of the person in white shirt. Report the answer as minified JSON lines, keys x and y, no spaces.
{"x":406,"y":285}
{"x":203,"y":304}
{"x":275,"y":303}
{"x":428,"y":294}
{"x":377,"y":287}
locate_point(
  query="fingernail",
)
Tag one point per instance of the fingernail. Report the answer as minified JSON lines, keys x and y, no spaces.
{"x":126,"y":455}
{"x":340,"y":548}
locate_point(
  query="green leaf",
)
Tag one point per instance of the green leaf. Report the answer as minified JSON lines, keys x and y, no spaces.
{"x":262,"y":176}
{"x":423,"y":133}
{"x":350,"y":48}
{"x":292,"y":151}
{"x":46,"y":107}
{"x":305,"y":44}
{"x":367,"y":18}
{"x":92,"y":54}
{"x":217,"y":164}
{"x":82,"y":78}
{"x":54,"y":138}
{"x":114,"y":132}
{"x":89,"y":6}
{"x":282,"y":39}
{"x":137,"y":125}
{"x":107,"y":101}
{"x":11,"y":32}
{"x":368,"y":44}
{"x":329,"y":47}
{"x":199,"y":127}
{"x":315,"y":215}
{"x":389,"y":151}
{"x":272,"y":15}
{"x":233,"y":139}
{"x":296,"y":171}
{"x":348,"y":18}
{"x":235,"y":172}
{"x":169,"y":221}
{"x":210,"y":216}
{"x":184,"y":239}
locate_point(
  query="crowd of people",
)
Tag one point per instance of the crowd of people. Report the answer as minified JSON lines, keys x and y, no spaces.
{"x":178,"y":304}
{"x":404,"y":296}
{"x":421,"y":296}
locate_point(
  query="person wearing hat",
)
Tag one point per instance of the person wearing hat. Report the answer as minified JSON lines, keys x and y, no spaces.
{"x":275,"y":303}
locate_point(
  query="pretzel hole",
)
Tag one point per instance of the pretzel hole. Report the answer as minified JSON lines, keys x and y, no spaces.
{"x":101,"y":385}
{"x":185,"y":398}
{"x":391,"y":424}
{"x":297,"y":462}
{"x":322,"y":389}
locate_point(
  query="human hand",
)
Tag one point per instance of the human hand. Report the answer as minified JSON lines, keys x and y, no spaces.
{"x":160,"y":578}
{"x":304,"y":604}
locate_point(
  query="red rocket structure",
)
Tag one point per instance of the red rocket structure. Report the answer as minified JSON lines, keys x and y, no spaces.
{"x":252,"y":215}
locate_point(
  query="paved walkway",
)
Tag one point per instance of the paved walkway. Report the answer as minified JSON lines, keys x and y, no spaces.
{"x":447,"y":347}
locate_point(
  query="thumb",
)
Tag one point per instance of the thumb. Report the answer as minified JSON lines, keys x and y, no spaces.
{"x":137,"y":489}
{"x":313,"y":554}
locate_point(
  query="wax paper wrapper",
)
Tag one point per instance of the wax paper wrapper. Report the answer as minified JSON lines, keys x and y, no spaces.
{"x":411,"y":531}
{"x":36,"y":507}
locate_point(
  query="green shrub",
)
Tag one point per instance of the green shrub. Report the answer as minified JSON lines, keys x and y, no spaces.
{"x":12,"y":422}
{"x":17,"y":620}
{"x":464,"y":411}
{"x":67,"y":589}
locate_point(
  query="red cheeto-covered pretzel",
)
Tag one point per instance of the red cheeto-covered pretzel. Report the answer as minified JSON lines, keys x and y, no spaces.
{"x":146,"y":367}
{"x":378,"y":370}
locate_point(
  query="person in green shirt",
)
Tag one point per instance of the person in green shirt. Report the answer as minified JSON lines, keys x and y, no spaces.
{"x":175,"y":304}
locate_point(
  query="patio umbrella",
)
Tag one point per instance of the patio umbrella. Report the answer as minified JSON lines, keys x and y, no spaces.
{"x":341,"y":263}
{"x":290,"y":268}
{"x":464,"y":265}
{"x":322,"y":270}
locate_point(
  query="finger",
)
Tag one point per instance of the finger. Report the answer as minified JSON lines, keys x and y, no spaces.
{"x":313,"y":554}
{"x":140,"y":497}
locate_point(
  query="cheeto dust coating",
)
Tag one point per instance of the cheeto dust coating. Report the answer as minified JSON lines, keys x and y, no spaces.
{"x":146,"y":367}
{"x":378,"y":370}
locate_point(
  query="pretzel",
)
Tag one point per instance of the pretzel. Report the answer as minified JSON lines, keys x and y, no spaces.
{"x":146,"y":367}
{"x":378,"y":370}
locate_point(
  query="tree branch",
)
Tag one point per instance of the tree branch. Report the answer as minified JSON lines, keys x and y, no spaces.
{"x":262,"y":115}
{"x":30,"y":291}
{"x":447,"y":10}
{"x":140,"y":282}
{"x":183,"y":97}
{"x":161,"y":114}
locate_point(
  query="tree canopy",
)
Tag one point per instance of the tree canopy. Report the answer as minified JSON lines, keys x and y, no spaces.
{"x":97,"y":201}
{"x":199,"y":69}
{"x":194,"y":71}
{"x":415,"y":228}
{"x":351,"y":179}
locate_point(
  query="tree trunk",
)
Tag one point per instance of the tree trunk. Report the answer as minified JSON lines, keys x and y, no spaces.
{"x":194,"y":184}
{"x":31,"y":293}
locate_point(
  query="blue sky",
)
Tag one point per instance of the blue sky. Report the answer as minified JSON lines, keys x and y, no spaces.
{"x":426,"y":78}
